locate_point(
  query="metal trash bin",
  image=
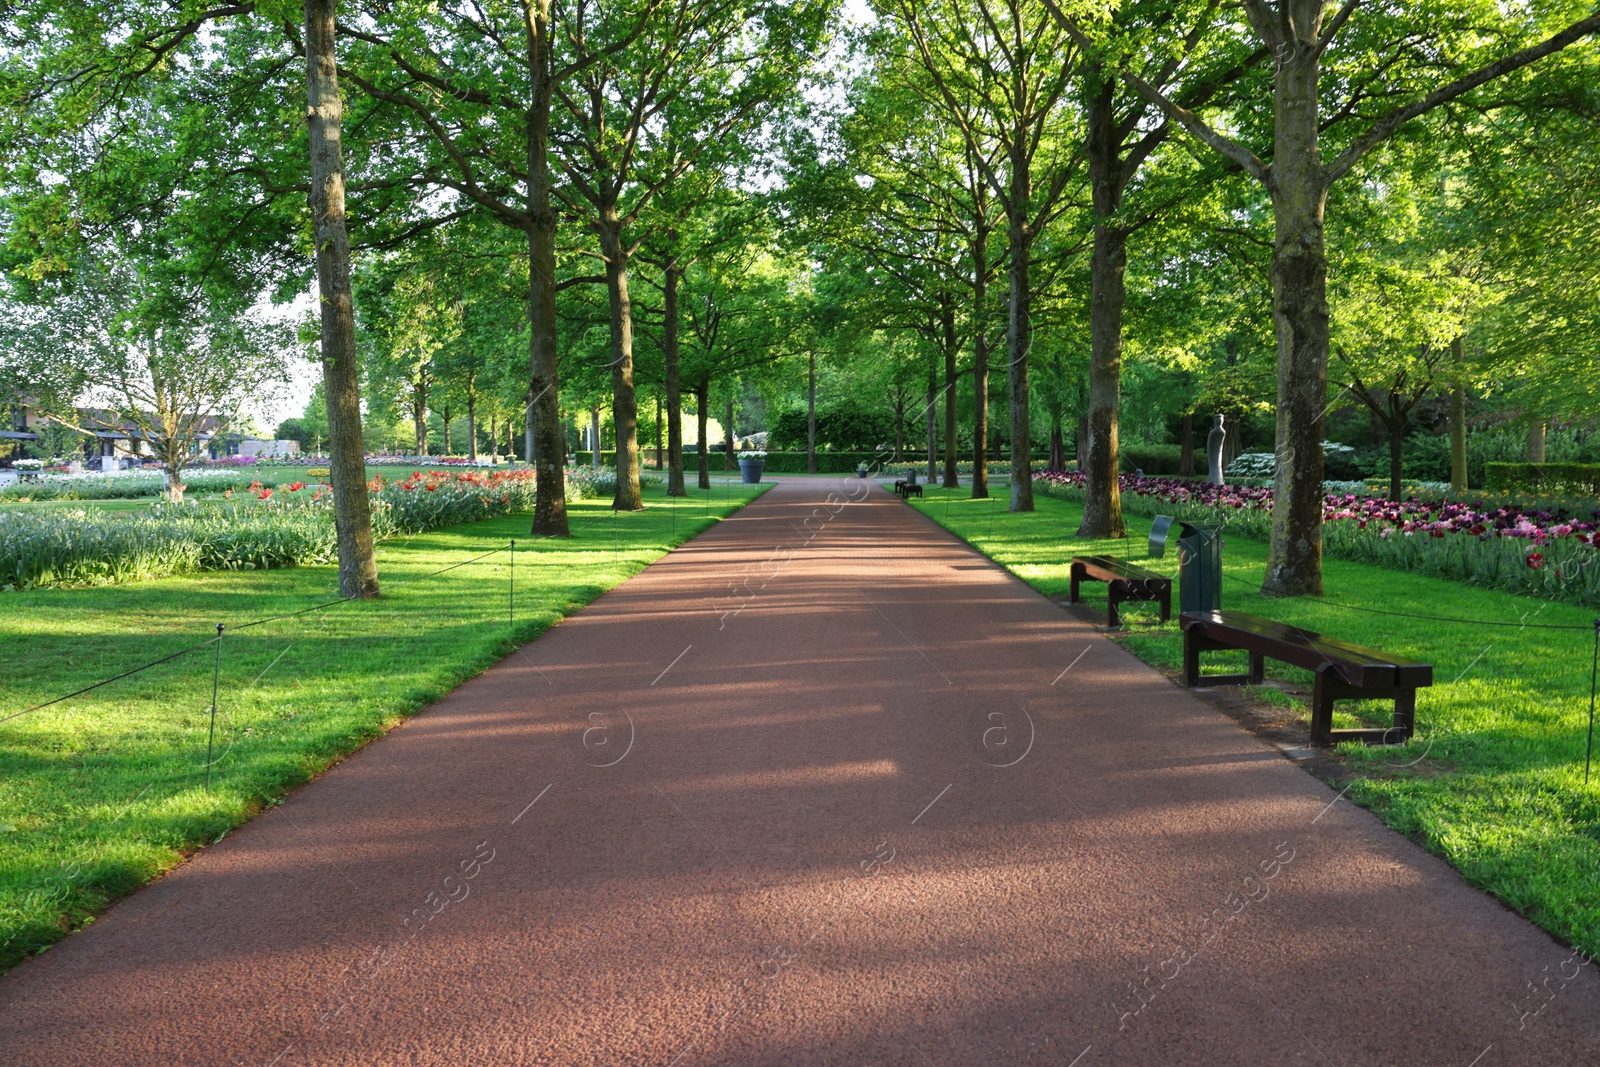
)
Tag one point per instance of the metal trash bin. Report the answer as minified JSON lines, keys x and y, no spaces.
{"x":1199,"y":567}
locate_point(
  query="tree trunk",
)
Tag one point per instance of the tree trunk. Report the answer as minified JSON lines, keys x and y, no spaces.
{"x":947,"y":317}
{"x":980,"y":363}
{"x":1397,"y":433}
{"x":594,"y":437}
{"x":899,"y":423}
{"x":544,"y":379}
{"x":1458,"y":419}
{"x":1102,"y":502}
{"x":341,"y":371}
{"x":1019,"y":332}
{"x":1080,"y":441}
{"x":529,"y":430}
{"x":1536,"y":441}
{"x":444,"y":419}
{"x":472,"y":425}
{"x":702,"y":397}
{"x":1186,"y":446}
{"x":1300,"y":312}
{"x":419,"y":415}
{"x":669,"y":350}
{"x":494,"y":437}
{"x":930,"y":420}
{"x":1058,"y":447}
{"x":729,"y":437}
{"x":624,"y":403}
{"x":658,"y":433}
{"x":811,"y":416}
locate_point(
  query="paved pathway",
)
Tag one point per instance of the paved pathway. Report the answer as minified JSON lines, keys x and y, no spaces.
{"x":822,"y":786}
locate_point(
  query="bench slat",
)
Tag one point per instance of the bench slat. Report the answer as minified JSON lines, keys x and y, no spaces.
{"x":1357,"y":664}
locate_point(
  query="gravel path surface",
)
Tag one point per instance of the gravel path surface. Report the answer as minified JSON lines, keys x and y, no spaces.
{"x":823,"y":786}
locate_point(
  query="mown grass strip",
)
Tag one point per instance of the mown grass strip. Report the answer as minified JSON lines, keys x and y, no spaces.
{"x":1494,"y":779}
{"x":101,"y":793}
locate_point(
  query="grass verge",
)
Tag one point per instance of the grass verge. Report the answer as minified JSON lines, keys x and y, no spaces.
{"x":1493,"y":781}
{"x":101,"y":793}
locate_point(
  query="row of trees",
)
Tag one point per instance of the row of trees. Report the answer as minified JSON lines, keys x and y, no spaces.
{"x":1207,"y":142}
{"x":954,"y":190}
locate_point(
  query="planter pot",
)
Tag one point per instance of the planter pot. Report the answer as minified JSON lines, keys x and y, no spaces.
{"x":751,"y":469}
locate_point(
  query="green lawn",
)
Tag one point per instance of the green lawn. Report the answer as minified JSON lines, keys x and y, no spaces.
{"x":100,"y":793}
{"x":1494,"y":779}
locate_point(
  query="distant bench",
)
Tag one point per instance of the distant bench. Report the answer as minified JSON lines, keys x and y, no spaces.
{"x":907,"y":490}
{"x":1343,"y":671}
{"x":1124,"y":582}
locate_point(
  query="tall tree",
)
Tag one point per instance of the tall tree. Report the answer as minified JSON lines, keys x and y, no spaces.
{"x":1001,"y":69}
{"x":1384,"y":54}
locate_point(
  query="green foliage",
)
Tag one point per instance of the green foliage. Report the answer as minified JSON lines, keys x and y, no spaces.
{"x":1152,"y":459}
{"x":843,"y":425}
{"x":1547,"y":477}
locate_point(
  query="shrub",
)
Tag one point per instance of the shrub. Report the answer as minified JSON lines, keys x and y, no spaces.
{"x":1153,"y":459}
{"x":1549,"y":477}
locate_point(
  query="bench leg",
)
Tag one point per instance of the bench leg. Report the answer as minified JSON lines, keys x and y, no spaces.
{"x":1322,"y":711}
{"x":1116,"y":593}
{"x":1405,"y":716}
{"x":1077,"y":576}
{"x":1166,"y":604}
{"x":1191,"y":659}
{"x":1257,"y":668}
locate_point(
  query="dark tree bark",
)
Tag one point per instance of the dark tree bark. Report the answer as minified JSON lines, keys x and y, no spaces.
{"x":811,"y":416}
{"x":1019,"y":332}
{"x":702,"y":397}
{"x":1186,"y":446}
{"x":947,"y":324}
{"x":341,"y":372}
{"x":594,"y":437}
{"x":659,"y":458}
{"x":730,"y":440}
{"x":1102,"y":505}
{"x":1058,"y":448}
{"x":930,"y":420}
{"x":472,"y":423}
{"x":624,"y":402}
{"x":1458,"y":418}
{"x":980,"y":387}
{"x":544,"y":379}
{"x":671,"y":357}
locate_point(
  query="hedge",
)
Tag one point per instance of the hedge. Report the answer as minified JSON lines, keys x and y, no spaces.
{"x":1572,"y":477}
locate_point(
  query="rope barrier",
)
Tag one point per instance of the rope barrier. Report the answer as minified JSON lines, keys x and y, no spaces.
{"x":245,"y":626}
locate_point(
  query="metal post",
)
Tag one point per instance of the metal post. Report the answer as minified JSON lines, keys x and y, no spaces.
{"x":210,"y":741}
{"x":1594,"y":677}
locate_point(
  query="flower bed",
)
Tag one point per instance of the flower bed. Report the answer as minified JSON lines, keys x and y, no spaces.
{"x":1551,"y":551}
{"x":284,"y":526}
{"x":119,"y":485}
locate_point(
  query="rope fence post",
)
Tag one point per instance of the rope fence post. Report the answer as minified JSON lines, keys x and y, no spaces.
{"x":1594,"y":678}
{"x":211,"y":736}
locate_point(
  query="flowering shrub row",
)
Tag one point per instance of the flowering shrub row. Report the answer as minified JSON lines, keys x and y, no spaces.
{"x":1552,"y":552}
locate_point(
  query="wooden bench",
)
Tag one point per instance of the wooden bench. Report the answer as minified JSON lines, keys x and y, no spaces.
{"x":900,"y":487}
{"x":1124,"y":582}
{"x":1343,"y":671}
{"x":912,"y":491}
